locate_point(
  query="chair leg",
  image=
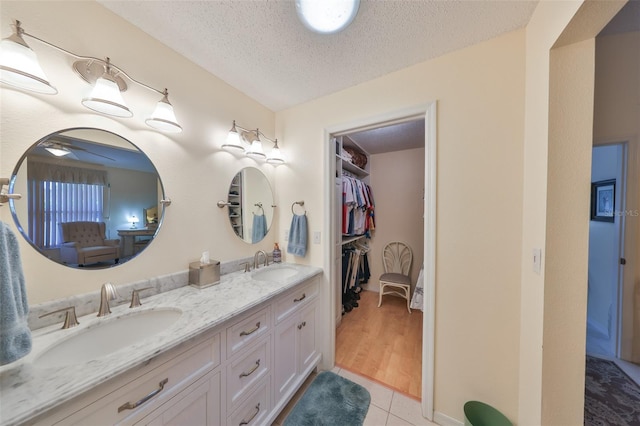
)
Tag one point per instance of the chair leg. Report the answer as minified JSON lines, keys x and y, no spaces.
{"x":408,"y":292}
{"x":380,"y":295}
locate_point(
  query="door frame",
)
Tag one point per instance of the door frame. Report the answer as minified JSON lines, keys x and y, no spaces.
{"x":428,"y":112}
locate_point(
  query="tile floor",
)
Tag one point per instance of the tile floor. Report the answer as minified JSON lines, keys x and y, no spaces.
{"x":387,"y":408}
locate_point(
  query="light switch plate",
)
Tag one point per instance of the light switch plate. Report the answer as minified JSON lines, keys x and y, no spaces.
{"x":285,"y":235}
{"x":316,"y":237}
{"x":537,"y":260}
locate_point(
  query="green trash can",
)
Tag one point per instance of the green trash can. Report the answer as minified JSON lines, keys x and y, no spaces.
{"x":478,"y":413}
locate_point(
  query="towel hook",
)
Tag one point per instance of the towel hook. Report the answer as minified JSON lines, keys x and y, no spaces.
{"x":301,"y":204}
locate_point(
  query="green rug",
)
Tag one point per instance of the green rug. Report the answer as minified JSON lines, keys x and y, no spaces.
{"x":330,"y":400}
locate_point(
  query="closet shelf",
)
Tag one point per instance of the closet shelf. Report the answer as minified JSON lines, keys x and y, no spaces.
{"x":350,"y":239}
{"x":347,"y":165}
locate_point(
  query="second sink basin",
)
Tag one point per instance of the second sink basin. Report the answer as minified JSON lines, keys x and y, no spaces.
{"x":274,"y":274}
{"x":107,"y":337}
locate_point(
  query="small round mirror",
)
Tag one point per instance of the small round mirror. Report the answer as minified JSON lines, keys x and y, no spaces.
{"x":90,"y":198}
{"x":250,"y":204}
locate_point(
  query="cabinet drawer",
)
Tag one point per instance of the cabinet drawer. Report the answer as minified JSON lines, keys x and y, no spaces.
{"x":287,"y":304}
{"x":254,"y":409}
{"x":247,"y":330}
{"x":142,"y":395}
{"x":245,"y":371}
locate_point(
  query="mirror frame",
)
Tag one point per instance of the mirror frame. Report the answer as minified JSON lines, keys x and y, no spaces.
{"x":160,"y":202}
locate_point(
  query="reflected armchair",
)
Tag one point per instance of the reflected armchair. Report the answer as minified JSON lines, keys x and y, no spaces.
{"x":85,"y":243}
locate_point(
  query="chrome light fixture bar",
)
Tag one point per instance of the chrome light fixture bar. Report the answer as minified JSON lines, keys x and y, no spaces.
{"x":19,"y":67}
{"x":234,"y":143}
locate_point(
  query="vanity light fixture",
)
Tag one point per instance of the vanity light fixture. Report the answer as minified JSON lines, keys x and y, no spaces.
{"x":327,"y":16}
{"x":255,"y":150}
{"x":234,"y":143}
{"x":19,"y":67}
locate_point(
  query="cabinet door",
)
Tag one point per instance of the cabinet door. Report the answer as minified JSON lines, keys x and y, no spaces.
{"x":286,"y":353}
{"x":199,"y":404}
{"x":307,"y":338}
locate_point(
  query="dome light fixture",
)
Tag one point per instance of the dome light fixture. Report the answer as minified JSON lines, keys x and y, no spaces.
{"x":327,"y":16}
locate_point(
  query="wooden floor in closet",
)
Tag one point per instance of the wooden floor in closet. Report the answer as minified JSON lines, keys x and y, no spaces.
{"x":383,"y":344}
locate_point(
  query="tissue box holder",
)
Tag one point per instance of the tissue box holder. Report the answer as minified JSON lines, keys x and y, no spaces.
{"x":202,"y":275}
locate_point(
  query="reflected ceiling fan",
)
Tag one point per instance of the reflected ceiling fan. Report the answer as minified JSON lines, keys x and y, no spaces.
{"x":60,"y":148}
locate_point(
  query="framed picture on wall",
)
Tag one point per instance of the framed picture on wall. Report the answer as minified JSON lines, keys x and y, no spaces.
{"x":603,"y":200}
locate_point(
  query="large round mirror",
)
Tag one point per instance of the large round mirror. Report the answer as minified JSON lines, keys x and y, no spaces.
{"x":250,"y":204}
{"x":90,"y":198}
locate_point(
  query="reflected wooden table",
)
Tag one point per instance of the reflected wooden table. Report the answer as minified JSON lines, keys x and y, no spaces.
{"x":128,"y":239}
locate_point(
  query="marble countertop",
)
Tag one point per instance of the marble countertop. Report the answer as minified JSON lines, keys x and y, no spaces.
{"x":28,"y":390}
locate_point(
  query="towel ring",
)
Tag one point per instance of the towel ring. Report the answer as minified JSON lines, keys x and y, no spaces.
{"x":259,"y":206}
{"x":301,"y":204}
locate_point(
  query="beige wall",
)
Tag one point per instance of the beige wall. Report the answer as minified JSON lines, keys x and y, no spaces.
{"x":397,"y":179}
{"x":617,"y":119}
{"x":545,"y":26}
{"x":194,"y":171}
{"x":480,"y":94}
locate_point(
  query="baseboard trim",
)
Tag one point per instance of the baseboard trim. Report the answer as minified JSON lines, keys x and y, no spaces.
{"x":444,"y":420}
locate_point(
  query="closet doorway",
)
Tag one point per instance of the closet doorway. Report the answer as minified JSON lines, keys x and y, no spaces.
{"x":387,"y":343}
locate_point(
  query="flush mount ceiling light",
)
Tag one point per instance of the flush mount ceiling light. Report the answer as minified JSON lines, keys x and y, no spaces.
{"x":234,"y":143}
{"x":327,"y":16}
{"x":19,"y":67}
{"x":58,"y":150}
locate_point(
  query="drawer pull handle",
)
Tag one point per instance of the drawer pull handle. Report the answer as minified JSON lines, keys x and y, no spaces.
{"x":250,"y":372}
{"x":131,"y":406}
{"x":301,"y":298}
{"x":253,"y":330}
{"x":302,"y":324}
{"x":246,"y":422}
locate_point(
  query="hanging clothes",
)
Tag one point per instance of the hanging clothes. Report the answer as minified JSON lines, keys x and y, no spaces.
{"x":357,"y":207}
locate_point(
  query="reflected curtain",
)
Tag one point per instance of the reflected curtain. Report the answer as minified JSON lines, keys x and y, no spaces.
{"x":59,"y":193}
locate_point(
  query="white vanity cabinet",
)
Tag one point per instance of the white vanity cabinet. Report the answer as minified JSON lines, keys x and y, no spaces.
{"x":129,"y":398}
{"x":242,"y":371}
{"x":296,"y":339}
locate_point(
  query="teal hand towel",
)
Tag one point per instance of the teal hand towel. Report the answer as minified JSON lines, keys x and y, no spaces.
{"x":259,"y":228}
{"x":298,"y":236}
{"x":15,"y":336}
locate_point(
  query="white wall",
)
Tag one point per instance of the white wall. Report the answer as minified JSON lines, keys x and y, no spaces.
{"x":604,"y":245}
{"x":195,"y":172}
{"x":397,"y":179}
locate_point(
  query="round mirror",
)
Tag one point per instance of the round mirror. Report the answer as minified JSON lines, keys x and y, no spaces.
{"x":250,"y":204}
{"x":90,"y":198}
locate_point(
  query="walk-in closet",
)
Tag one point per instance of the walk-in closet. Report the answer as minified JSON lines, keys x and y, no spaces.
{"x":379,"y":198}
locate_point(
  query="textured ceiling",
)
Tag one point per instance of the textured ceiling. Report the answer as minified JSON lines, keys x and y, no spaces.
{"x":261,"y":48}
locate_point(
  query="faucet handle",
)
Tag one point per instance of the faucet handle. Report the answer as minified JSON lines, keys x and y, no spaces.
{"x":135,"y":297}
{"x":247,"y":266}
{"x":70,"y":319}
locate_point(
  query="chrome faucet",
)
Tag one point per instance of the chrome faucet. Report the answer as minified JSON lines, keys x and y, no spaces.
{"x":256,"y":259}
{"x":107,"y":292}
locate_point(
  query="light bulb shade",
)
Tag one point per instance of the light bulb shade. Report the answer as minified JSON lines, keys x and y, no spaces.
{"x":58,"y":151}
{"x":19,"y":67}
{"x":163,"y":118}
{"x":106,"y":98}
{"x":275,"y":156}
{"x":233,"y":142}
{"x":327,"y":16}
{"x":255,"y":150}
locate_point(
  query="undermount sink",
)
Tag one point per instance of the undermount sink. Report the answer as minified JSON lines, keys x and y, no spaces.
{"x":274,"y":274}
{"x":107,"y":337}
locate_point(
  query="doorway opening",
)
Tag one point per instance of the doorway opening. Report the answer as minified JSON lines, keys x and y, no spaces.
{"x":392,"y":172}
